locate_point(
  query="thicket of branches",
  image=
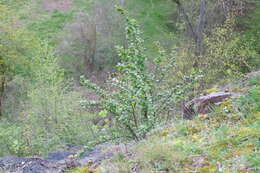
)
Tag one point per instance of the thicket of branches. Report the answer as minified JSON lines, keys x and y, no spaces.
{"x":89,"y":42}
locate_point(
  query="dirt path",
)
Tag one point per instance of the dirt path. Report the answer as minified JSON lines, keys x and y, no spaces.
{"x":62,"y":5}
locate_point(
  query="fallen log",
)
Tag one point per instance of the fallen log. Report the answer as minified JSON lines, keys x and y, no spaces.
{"x":201,"y":105}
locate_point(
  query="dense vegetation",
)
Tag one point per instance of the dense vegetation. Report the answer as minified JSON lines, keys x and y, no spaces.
{"x":226,"y":140}
{"x":86,"y":72}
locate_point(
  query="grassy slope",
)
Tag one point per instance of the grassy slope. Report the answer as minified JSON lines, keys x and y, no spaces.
{"x":47,"y":25}
{"x":153,"y":16}
{"x":226,"y":140}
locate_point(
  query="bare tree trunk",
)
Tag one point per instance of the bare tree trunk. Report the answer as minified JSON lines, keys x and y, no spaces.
{"x":201,"y":26}
{"x":93,"y":46}
{"x":197,"y":35}
{"x":187,"y":20}
{"x":89,"y":39}
{"x":2,"y":89}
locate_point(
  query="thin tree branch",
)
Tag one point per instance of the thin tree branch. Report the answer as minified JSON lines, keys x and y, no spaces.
{"x":187,"y":20}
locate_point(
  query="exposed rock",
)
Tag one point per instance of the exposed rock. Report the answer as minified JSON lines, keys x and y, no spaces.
{"x":100,"y":153}
{"x":14,"y":164}
{"x":94,"y":157}
{"x":58,"y":156}
{"x":201,"y":105}
{"x":57,"y":163}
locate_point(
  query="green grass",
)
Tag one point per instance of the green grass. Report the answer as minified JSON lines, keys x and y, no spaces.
{"x":154,"y":17}
{"x":255,"y":80}
{"x":83,"y":5}
{"x":226,"y":140}
{"x":50,"y":24}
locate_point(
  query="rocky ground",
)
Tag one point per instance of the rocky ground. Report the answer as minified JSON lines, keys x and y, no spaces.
{"x":58,"y":162}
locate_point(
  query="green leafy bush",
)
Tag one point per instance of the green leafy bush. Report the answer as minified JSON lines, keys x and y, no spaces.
{"x":12,"y":141}
{"x":138,"y":96}
{"x":49,"y":115}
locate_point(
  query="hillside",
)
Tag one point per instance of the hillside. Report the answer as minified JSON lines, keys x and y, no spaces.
{"x":225,"y":140}
{"x":129,"y":86}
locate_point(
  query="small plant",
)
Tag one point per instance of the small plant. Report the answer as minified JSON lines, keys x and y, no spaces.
{"x":138,"y":96}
